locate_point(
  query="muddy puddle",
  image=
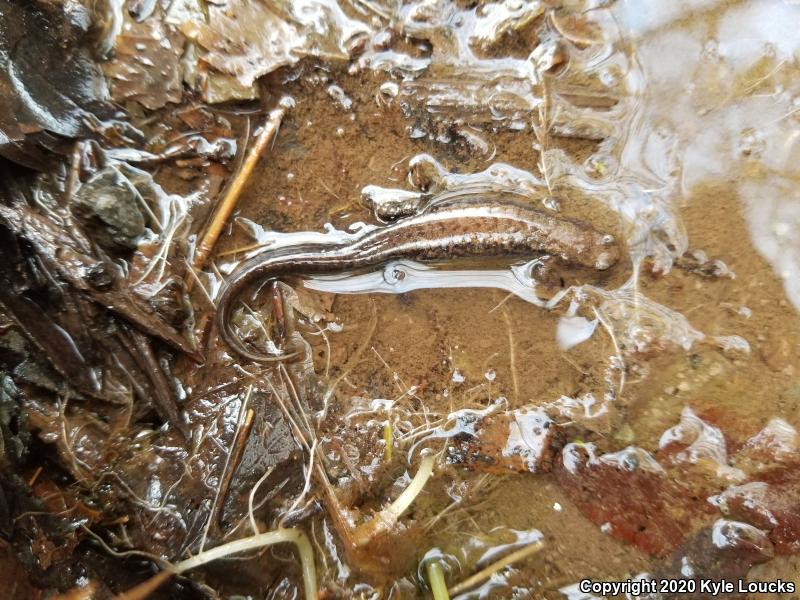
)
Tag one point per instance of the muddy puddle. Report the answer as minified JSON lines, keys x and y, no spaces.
{"x":505,"y":301}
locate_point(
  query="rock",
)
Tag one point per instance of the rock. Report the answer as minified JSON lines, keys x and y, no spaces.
{"x":107,"y":205}
{"x":627,"y":494}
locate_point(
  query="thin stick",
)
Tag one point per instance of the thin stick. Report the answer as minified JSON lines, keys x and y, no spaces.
{"x":226,"y":207}
{"x":241,"y":249}
{"x":236,"y":456}
{"x":35,"y":476}
{"x":493,"y":568}
{"x":277,"y":310}
{"x":212,"y":517}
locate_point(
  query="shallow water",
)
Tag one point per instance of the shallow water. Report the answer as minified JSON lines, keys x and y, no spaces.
{"x":638,"y":422}
{"x":695,"y":154}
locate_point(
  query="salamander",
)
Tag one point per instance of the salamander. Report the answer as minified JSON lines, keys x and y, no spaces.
{"x":440,"y":233}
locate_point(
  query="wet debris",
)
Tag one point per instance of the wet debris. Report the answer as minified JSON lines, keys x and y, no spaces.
{"x":661,"y":503}
{"x":107,"y":206}
{"x":517,"y":441}
{"x":627,"y":495}
{"x":50,"y":86}
{"x":146,"y":64}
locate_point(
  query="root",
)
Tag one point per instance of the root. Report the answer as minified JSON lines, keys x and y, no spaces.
{"x":251,"y":496}
{"x":295,"y":536}
{"x":196,"y":279}
{"x":386,"y":519}
{"x":512,"y":354}
{"x":436,"y":581}
{"x":617,"y":349}
{"x":353,"y":360}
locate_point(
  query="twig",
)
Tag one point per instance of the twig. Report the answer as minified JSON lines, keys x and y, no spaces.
{"x":248,"y":248}
{"x":226,"y":207}
{"x":493,"y":568}
{"x":277,"y":309}
{"x":163,"y":396}
{"x":236,"y":456}
{"x":212,"y":518}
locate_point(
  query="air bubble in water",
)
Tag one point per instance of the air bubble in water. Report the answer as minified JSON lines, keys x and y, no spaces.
{"x":600,"y":165}
{"x":551,"y":203}
{"x":386,"y":93}
{"x":609,"y":77}
{"x":751,"y":143}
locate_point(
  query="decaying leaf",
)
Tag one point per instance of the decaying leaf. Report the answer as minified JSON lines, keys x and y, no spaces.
{"x":518,"y":441}
{"x":243,"y":40}
{"x":48,"y":80}
{"x":146,"y":65}
{"x":246,"y":39}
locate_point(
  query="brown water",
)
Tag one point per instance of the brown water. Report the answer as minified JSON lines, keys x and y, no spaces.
{"x":670,"y":124}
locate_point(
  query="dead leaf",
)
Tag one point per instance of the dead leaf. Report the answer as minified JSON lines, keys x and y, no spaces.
{"x":146,"y":65}
{"x":246,"y":39}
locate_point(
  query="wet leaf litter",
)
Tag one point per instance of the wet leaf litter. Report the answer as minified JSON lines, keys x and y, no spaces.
{"x":379,"y":300}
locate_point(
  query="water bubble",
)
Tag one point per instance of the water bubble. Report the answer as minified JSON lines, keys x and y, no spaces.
{"x":458,"y":377}
{"x":490,"y":375}
{"x":424,"y":173}
{"x":609,"y":77}
{"x":751,"y":143}
{"x":600,"y":165}
{"x":339,"y":132}
{"x":393,"y":275}
{"x":551,"y":203}
{"x":386,"y":93}
{"x":339,"y":97}
{"x":383,"y":39}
